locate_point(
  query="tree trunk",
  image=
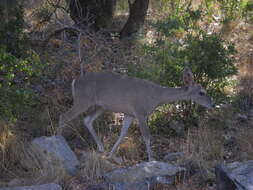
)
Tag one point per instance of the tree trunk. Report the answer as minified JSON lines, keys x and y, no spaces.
{"x":137,"y":13}
{"x":95,"y":13}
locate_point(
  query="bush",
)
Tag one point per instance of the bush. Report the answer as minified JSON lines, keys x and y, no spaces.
{"x":181,"y":43}
{"x":209,"y":57}
{"x":248,"y":10}
{"x":17,"y":63}
{"x":15,"y":75}
{"x":11,"y":29}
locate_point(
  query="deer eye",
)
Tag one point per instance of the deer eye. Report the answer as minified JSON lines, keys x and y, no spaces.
{"x":201,"y":93}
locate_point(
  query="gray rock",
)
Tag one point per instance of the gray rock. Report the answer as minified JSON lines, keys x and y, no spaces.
{"x":16,"y":182}
{"x":102,"y":186}
{"x":51,"y":186}
{"x":235,"y":176}
{"x":173,"y":156}
{"x":143,"y":176}
{"x":53,"y":152}
{"x":134,"y":186}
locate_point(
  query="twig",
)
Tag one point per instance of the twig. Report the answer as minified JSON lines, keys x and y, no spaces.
{"x":80,"y":54}
{"x":50,"y":15}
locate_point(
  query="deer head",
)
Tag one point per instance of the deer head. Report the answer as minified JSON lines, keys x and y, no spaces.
{"x":195,"y":91}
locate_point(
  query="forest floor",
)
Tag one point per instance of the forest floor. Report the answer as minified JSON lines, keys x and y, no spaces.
{"x":224,"y":136}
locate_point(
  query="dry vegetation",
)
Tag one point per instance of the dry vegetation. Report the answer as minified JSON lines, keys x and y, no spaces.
{"x":224,"y":135}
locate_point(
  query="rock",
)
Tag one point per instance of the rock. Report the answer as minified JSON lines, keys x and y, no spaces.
{"x":143,"y":176}
{"x":173,"y":156}
{"x":144,"y":185}
{"x":134,"y":186}
{"x":142,"y":171}
{"x":102,"y":186}
{"x":53,"y":152}
{"x":51,"y":186}
{"x":235,"y":176}
{"x":222,"y":179}
{"x":17,"y":182}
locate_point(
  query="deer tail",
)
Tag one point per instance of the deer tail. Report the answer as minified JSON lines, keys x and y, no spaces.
{"x":73,"y":87}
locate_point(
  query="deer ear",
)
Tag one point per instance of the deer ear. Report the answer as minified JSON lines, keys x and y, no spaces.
{"x":188,"y":77}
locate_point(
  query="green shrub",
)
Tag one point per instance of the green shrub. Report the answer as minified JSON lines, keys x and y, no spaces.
{"x":248,"y":10}
{"x":15,"y":76}
{"x":11,"y":29}
{"x":209,"y":57}
{"x":18,"y":64}
{"x":182,"y":43}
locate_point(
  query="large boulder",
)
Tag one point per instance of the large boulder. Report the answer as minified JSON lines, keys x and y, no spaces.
{"x":51,"y":153}
{"x":51,"y":186}
{"x":143,"y":176}
{"x":235,"y":176}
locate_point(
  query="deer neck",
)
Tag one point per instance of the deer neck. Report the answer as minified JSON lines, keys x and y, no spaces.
{"x":169,"y":95}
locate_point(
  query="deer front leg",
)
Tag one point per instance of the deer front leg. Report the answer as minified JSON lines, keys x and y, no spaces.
{"x":68,"y":116}
{"x":126,"y":124}
{"x":88,"y":122}
{"x":146,"y":136}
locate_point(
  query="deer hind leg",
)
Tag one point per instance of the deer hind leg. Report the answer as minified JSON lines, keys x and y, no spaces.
{"x":146,"y":136}
{"x":88,"y":122}
{"x":69,"y":115}
{"x":126,"y":124}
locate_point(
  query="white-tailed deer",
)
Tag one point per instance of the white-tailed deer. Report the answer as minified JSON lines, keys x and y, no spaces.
{"x":136,"y":98}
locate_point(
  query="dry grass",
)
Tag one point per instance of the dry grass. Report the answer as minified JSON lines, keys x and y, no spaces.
{"x":190,"y":184}
{"x":245,"y":142}
{"x":245,"y":86}
{"x":11,"y":147}
{"x":94,"y":166}
{"x":131,"y":150}
{"x":18,"y":166}
{"x":7,"y":138}
{"x":205,"y":146}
